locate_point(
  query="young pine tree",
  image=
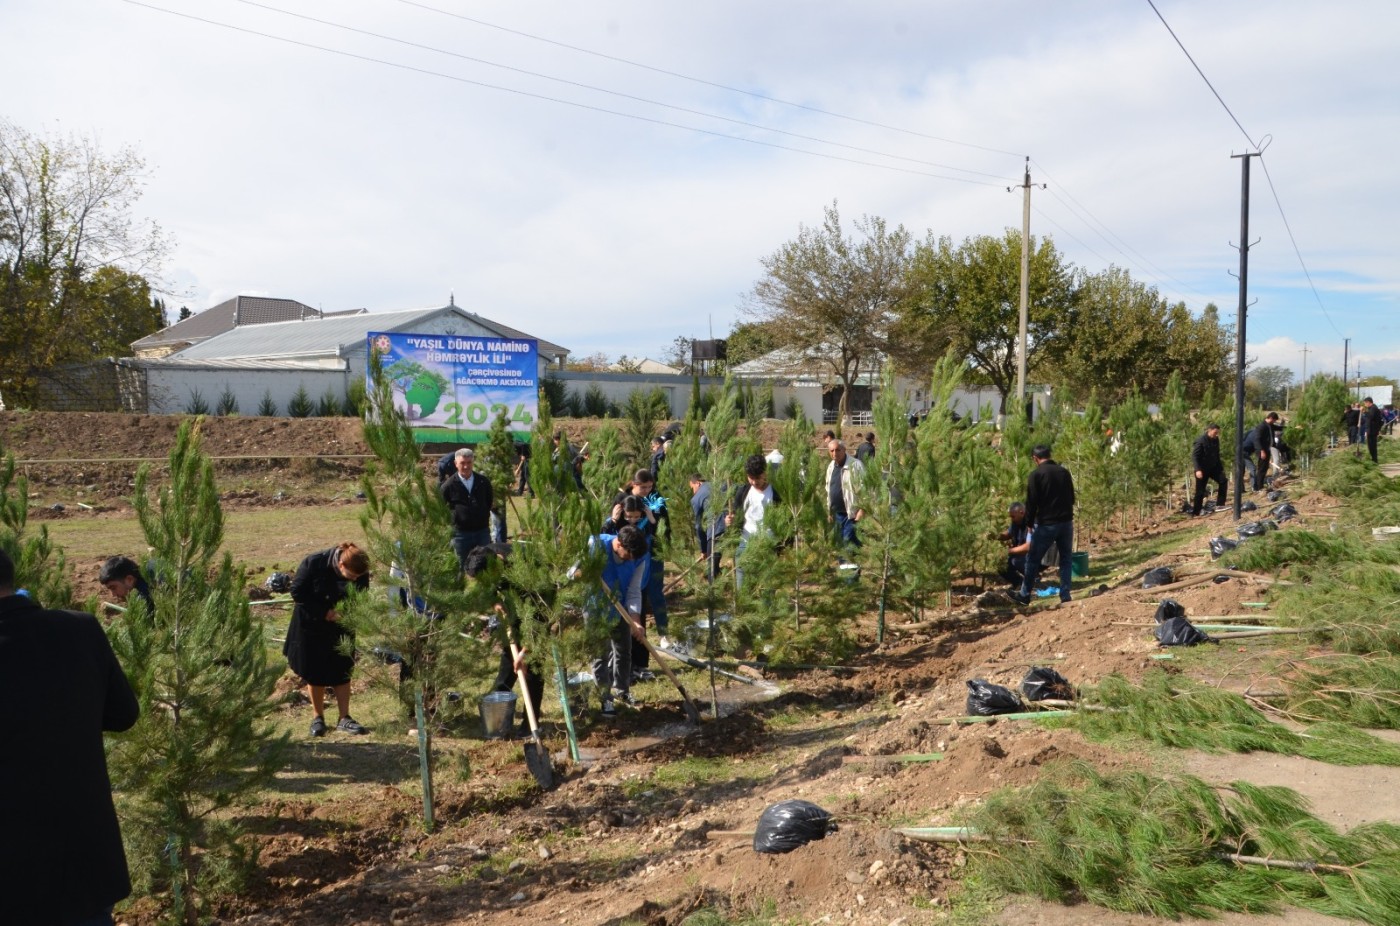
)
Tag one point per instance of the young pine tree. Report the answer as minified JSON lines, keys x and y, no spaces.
{"x":427,"y":617}
{"x":200,"y":670}
{"x":40,"y":568}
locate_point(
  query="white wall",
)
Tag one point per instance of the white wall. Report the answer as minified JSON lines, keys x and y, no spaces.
{"x":169,"y":390}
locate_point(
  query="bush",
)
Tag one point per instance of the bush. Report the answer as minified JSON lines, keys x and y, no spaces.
{"x":595,"y":403}
{"x":228,"y":402}
{"x":198,"y":405}
{"x":553,"y":390}
{"x":329,"y":405}
{"x":355,"y":395}
{"x":267,"y":408}
{"x":300,"y":406}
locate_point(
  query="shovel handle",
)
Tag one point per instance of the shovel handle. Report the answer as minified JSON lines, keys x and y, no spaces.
{"x":638,"y":633}
{"x":525,"y":692}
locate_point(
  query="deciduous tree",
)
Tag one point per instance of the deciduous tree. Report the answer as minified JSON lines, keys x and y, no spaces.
{"x":831,"y":298}
{"x":967,"y":296}
{"x":73,"y":257}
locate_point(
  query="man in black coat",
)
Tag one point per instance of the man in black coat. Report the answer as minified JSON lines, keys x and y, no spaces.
{"x":1352,"y":419}
{"x":1258,"y":448}
{"x":1205,"y":457}
{"x":1050,"y":513}
{"x":1371,"y":421}
{"x":468,"y":494}
{"x":61,"y":857}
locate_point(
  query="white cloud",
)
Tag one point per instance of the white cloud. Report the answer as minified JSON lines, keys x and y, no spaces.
{"x":344,"y":183}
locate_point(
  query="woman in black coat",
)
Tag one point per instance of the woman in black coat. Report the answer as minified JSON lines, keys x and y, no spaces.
{"x":312,"y":649}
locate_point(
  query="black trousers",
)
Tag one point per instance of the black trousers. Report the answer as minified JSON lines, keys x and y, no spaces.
{"x":1203,"y":484}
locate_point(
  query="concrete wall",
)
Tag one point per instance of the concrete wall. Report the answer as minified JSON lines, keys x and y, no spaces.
{"x":170,"y":390}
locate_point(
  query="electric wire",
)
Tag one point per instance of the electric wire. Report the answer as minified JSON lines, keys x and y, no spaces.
{"x":1253,"y":144}
{"x":551,"y":99}
{"x":1094,"y":224}
{"x":704,"y":82}
{"x":617,"y":93}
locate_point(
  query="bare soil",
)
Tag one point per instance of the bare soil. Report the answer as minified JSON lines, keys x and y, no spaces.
{"x":618,"y":841}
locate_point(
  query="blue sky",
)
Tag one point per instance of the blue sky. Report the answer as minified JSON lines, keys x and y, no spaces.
{"x":286,"y":170}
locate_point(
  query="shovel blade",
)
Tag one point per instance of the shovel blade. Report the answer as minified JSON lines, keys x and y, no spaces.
{"x":539,"y":764}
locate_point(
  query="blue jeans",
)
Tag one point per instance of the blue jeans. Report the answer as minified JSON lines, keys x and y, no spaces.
{"x":845,"y":530}
{"x":463,"y":542}
{"x":1060,"y":536}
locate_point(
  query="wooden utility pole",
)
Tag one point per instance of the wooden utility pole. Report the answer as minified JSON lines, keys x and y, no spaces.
{"x":1305,"y":366}
{"x":1025,"y":286}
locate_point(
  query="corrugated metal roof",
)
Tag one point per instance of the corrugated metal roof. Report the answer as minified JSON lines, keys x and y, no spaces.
{"x":242,"y":363}
{"x":329,"y":336}
{"x":213,"y":321}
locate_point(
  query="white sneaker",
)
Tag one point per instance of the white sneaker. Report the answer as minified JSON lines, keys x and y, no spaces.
{"x":664,"y":642}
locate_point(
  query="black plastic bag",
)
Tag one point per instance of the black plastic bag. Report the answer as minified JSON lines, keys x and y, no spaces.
{"x":279,"y":582}
{"x":1219,"y":546}
{"x":1042,"y":683}
{"x":1155,"y":577}
{"x":1168,"y":608}
{"x":1248,"y":506}
{"x":1256,"y":528}
{"x":789,"y":825}
{"x":1275,"y":495}
{"x":1178,"y":631}
{"x":987,"y":700}
{"x":1283,"y":511}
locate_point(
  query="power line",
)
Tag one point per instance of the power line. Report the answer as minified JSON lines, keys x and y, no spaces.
{"x":1094,"y":223}
{"x":616,"y":93}
{"x":1277,"y":201}
{"x":1202,"y":73}
{"x":702,"y":81}
{"x":550,"y":99}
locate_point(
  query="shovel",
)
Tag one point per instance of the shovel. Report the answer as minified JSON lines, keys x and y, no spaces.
{"x":691,"y":711}
{"x":536,"y":757}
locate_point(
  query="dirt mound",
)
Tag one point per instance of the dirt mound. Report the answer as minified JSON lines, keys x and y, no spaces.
{"x":111,"y":436}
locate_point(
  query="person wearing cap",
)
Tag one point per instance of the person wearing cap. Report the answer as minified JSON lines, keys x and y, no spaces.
{"x":1205,"y":457}
{"x":468,"y":494}
{"x":1371,"y":420}
{"x":1258,"y":446}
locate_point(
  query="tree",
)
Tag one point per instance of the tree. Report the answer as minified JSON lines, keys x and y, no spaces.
{"x":198,"y":664}
{"x":596,"y":362}
{"x":678,"y":354}
{"x":831,"y":299}
{"x":1267,"y":387}
{"x":185,"y":313}
{"x":748,"y":341}
{"x":1121,"y":334}
{"x":968,"y":297}
{"x":431,"y":625}
{"x":72,"y":256}
{"x":626,"y":364}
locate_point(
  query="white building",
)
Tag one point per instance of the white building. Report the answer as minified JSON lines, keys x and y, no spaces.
{"x":320,"y":355}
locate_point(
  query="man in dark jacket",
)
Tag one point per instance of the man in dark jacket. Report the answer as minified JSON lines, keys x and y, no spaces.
{"x":61,"y":857}
{"x":1351,"y":418}
{"x":1205,"y":457}
{"x":1371,"y":421}
{"x":1050,"y":513}
{"x":468,"y":494}
{"x":1258,"y":448}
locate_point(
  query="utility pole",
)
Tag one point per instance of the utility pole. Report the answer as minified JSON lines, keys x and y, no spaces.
{"x":1346,"y":349}
{"x":1305,"y":366}
{"x":1025,"y":285}
{"x":1239,"y":327}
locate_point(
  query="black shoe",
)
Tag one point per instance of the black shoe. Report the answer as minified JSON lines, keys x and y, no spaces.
{"x":1019,"y":597}
{"x":351,"y":726}
{"x":318,"y":727}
